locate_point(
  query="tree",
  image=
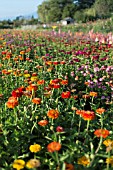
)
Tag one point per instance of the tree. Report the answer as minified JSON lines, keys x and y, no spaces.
{"x":82,"y":4}
{"x":55,"y":10}
{"x":103,"y":8}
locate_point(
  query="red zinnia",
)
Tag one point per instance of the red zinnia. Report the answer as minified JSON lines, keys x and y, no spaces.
{"x":18,"y":92}
{"x":66,"y":94}
{"x":101,"y":133}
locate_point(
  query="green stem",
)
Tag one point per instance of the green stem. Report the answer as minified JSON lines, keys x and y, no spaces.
{"x":95,"y":154}
{"x":108,"y":161}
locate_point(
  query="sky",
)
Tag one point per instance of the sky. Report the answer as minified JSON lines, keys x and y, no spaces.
{"x":14,"y":8}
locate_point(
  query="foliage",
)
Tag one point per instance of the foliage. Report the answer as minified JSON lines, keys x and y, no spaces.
{"x":103,"y":8}
{"x":56,"y":100}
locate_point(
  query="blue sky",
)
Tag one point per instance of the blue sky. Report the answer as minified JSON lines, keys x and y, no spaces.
{"x":13,"y":8}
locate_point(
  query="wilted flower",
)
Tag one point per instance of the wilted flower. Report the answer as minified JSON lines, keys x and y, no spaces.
{"x":33,"y":163}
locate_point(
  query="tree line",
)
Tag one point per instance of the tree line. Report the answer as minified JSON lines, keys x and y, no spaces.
{"x":80,"y":10}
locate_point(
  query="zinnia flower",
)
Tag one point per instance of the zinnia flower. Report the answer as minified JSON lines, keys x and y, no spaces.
{"x":66,"y":95}
{"x":83,"y":161}
{"x":53,"y":146}
{"x":53,"y":114}
{"x":69,"y":166}
{"x":110,"y":160}
{"x":64,"y":82}
{"x":18,"y":92}
{"x":12,"y":102}
{"x":93,"y":94}
{"x":33,"y":163}
{"x":88,"y":115}
{"x":35,"y":148}
{"x":18,"y":164}
{"x":59,"y":129}
{"x":100,"y":110}
{"x":36,"y":100}
{"x":108,"y":143}
{"x":43,"y":122}
{"x":101,"y":133}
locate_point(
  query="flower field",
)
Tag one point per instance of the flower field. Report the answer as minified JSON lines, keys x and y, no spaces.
{"x":56,"y":100}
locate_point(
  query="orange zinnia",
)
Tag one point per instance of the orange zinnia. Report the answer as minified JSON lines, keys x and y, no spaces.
{"x":53,"y":146}
{"x":36,"y":100}
{"x":64,"y":82}
{"x":80,"y":112}
{"x":93,"y":94}
{"x":69,"y":166}
{"x":88,"y":115}
{"x":101,"y":133}
{"x":40,"y":82}
{"x":53,"y":114}
{"x":100,"y":110}
{"x":43,"y":122}
{"x":32,"y":87}
{"x":12,"y":102}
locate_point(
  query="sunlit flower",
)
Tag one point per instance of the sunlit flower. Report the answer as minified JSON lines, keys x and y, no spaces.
{"x":33,"y":163}
{"x":18,"y":164}
{"x":53,"y":146}
{"x":40,"y":82}
{"x":54,"y":114}
{"x":36,"y":100}
{"x":108,"y":142}
{"x":32,"y":87}
{"x":100,"y":110}
{"x":35,"y":148}
{"x":83,"y":161}
{"x":101,"y":133}
{"x":27,"y":75}
{"x":43,"y":122}
{"x":110,"y":160}
{"x":22,"y":52}
{"x":34,"y":78}
{"x":12,"y":102}
{"x":88,"y":115}
{"x":66,"y":95}
{"x":93,"y":94}
{"x":79,"y":112}
{"x":64,"y":82}
{"x":18,"y":92}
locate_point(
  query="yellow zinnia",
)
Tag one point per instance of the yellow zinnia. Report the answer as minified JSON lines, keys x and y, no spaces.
{"x":27,"y":75}
{"x":35,"y":148}
{"x":110,"y":160}
{"x":108,"y":142}
{"x":83,"y":161}
{"x":19,"y":164}
{"x":34,"y":78}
